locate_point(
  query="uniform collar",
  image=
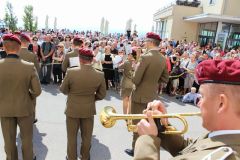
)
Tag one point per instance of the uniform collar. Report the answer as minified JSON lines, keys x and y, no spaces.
{"x":223,"y":132}
{"x":12,"y":56}
{"x":205,"y":143}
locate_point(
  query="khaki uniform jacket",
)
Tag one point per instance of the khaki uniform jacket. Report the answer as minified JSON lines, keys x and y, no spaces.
{"x":28,"y":56}
{"x":148,"y":147}
{"x":150,"y":71}
{"x":66,"y":62}
{"x":19,"y":85}
{"x":126,"y":81}
{"x":83,"y":85}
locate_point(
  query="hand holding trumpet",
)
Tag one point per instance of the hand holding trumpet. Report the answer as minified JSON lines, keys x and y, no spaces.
{"x":148,"y":126}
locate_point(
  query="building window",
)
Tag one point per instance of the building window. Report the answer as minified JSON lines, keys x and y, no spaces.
{"x":212,"y":2}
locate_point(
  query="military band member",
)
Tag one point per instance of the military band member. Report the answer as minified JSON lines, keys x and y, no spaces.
{"x":84,"y":86}
{"x":126,"y":82}
{"x":150,"y":71}
{"x":19,"y":85}
{"x":28,"y":56}
{"x":71,"y":59}
{"x":25,"y":54}
{"x":220,"y":112}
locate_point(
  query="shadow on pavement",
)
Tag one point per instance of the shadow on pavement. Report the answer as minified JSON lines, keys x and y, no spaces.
{"x":98,"y":150}
{"x":112,"y":93}
{"x":53,"y":89}
{"x":39,"y":149}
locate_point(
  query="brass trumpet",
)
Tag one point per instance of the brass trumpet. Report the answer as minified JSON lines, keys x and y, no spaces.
{"x":108,"y":118}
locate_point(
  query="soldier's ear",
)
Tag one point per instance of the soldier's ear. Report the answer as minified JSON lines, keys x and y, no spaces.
{"x":223,"y":104}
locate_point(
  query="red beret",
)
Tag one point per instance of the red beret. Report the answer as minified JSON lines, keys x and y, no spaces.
{"x":86,"y":52}
{"x":219,"y":71}
{"x":11,"y":37}
{"x":24,"y":36}
{"x":152,"y":35}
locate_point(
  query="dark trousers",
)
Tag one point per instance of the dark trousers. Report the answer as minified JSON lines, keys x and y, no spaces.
{"x":57,"y":73}
{"x":136,"y":108}
{"x":9,"y":131}
{"x":86,"y":128}
{"x":45,"y":73}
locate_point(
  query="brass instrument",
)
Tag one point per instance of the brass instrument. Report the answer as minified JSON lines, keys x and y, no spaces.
{"x":108,"y":118}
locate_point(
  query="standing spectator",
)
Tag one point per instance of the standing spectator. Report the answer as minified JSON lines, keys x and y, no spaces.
{"x":107,"y":64}
{"x":57,"y":63}
{"x":84,"y":86}
{"x":97,"y":58}
{"x":119,"y":58}
{"x":67,"y":44}
{"x":36,"y":48}
{"x":46,"y":67}
{"x":20,"y":86}
{"x":190,"y":68}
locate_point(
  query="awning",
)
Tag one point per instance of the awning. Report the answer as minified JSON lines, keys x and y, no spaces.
{"x":204,"y":18}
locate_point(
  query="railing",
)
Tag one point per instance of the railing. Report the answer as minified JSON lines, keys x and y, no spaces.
{"x":194,"y":3}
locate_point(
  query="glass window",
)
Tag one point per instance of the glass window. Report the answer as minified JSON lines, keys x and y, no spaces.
{"x":226,"y":27}
{"x":212,"y":2}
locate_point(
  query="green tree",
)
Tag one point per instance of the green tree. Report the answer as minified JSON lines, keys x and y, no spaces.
{"x":10,"y":19}
{"x":36,"y":24}
{"x":30,"y":23}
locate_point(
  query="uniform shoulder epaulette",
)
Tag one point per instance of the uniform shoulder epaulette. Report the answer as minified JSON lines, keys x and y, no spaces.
{"x":220,"y":153}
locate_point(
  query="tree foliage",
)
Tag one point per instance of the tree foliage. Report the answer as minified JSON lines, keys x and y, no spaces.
{"x":30,"y":23}
{"x":10,"y":19}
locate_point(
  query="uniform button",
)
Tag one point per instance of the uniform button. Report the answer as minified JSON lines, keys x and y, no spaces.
{"x":225,"y":149}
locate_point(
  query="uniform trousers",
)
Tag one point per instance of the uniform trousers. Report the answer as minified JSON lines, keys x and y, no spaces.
{"x":86,"y":127}
{"x":9,"y":131}
{"x":136,"y":108}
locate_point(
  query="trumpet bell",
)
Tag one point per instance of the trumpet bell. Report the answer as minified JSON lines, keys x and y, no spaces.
{"x":106,"y":116}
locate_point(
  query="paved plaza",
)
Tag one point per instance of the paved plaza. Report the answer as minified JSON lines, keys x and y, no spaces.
{"x":50,"y":130}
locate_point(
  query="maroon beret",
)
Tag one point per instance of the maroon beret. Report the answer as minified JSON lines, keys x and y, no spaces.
{"x":11,"y":37}
{"x":24,"y":36}
{"x":219,"y":71}
{"x":152,"y":35}
{"x":86,"y":52}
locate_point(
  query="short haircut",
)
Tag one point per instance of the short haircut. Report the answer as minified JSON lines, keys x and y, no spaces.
{"x":11,"y":46}
{"x":85,"y":58}
{"x":155,"y":42}
{"x":23,"y":40}
{"x":77,"y":42}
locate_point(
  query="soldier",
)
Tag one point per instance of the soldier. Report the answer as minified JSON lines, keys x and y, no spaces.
{"x":150,"y":71}
{"x":71,"y":59}
{"x":83,"y":85}
{"x":219,"y":105}
{"x":28,"y":56}
{"x":19,"y":85}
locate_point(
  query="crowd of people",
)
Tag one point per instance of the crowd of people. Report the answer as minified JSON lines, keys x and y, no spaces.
{"x":140,"y":68}
{"x":111,"y":51}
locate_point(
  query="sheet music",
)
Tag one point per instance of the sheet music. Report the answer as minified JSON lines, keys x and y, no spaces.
{"x":74,"y":61}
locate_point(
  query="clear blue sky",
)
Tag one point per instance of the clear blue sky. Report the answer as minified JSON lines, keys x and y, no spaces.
{"x":87,"y":14}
